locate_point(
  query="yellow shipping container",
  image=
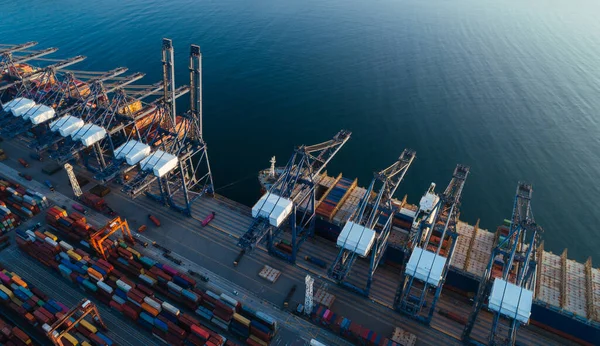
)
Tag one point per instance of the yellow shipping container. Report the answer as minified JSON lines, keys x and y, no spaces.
{"x":61,"y":211}
{"x":134,"y":252}
{"x":51,"y":236}
{"x":131,"y":108}
{"x":8,"y":292}
{"x":74,"y":255}
{"x":85,"y":343}
{"x":71,"y":339}
{"x":243,"y":320}
{"x":89,"y":326}
{"x":16,"y":301}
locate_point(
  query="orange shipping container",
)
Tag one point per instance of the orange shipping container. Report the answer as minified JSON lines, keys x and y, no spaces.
{"x":16,"y":279}
{"x":93,"y":272}
{"x":152,"y":311}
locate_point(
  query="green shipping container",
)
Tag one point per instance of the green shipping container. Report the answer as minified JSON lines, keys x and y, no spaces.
{"x":89,"y":286}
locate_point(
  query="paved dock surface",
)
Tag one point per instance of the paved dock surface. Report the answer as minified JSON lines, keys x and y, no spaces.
{"x":214,"y":248}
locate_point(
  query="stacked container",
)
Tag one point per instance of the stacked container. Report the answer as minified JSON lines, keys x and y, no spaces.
{"x":12,"y":335}
{"x":336,"y":196}
{"x":17,"y":202}
{"x":128,"y":282}
{"x":40,"y":311}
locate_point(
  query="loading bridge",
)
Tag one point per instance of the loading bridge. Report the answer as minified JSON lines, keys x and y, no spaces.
{"x":367,"y":231}
{"x":177,"y":171}
{"x":294,"y":187}
{"x":431,"y":247}
{"x":509,"y":280}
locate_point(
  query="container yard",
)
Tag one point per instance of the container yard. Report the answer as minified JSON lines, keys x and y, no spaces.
{"x":372,"y":245}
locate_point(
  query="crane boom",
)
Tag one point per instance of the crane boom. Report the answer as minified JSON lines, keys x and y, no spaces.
{"x":73,"y":180}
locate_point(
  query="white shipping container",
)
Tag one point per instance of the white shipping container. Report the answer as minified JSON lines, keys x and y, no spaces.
{"x":118,"y":299}
{"x":65,"y":246}
{"x":51,"y":242}
{"x":104,"y":287}
{"x":125,"y":287}
{"x":153,"y":303}
{"x":170,"y":308}
{"x":174,"y":287}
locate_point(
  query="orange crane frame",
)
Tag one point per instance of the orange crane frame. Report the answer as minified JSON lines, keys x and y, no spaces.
{"x":85,"y":307}
{"x":109,"y":229}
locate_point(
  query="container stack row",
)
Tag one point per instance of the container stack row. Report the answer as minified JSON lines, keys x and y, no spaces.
{"x":17,"y":203}
{"x":40,"y":311}
{"x":12,"y":336}
{"x":148,"y":292}
{"x":114,"y":288}
{"x":73,"y":226}
{"x":351,"y":331}
{"x":330,"y":205}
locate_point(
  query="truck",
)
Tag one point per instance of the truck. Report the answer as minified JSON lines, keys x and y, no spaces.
{"x":237,"y":260}
{"x":23,"y":163}
{"x":25,"y":176}
{"x":154,"y":220}
{"x":289,"y":296}
{"x":96,"y":203}
{"x":50,"y":185}
{"x":79,"y":208}
{"x":208,"y":219}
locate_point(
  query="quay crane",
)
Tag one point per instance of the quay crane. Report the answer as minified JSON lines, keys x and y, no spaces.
{"x":179,"y":162}
{"x":509,"y":280}
{"x":431,"y":247}
{"x":366,"y":232}
{"x":294,"y":187}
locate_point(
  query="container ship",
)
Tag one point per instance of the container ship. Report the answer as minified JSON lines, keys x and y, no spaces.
{"x":567,"y":292}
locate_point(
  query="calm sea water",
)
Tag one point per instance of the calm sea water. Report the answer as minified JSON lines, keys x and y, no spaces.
{"x":511,"y":88}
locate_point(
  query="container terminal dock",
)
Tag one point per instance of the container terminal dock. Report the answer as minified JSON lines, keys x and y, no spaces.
{"x":388,"y":263}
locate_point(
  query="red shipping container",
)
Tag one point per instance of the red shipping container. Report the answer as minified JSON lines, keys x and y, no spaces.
{"x":195,"y":340}
{"x":199,"y":332}
{"x":251,"y":342}
{"x":81,"y":329}
{"x":41,"y":317}
{"x":116,"y":306}
{"x":96,"y":340}
{"x":130,"y":312}
{"x":176,"y":330}
{"x":260,"y":334}
{"x":224,"y":315}
{"x":145,"y":290}
{"x":127,"y":281}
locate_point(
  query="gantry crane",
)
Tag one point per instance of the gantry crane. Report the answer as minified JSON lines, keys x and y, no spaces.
{"x":71,"y":319}
{"x":178,"y":167}
{"x":115,"y":225}
{"x":509,"y":280}
{"x":431,"y":248}
{"x":372,"y":219}
{"x":295,"y":187}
